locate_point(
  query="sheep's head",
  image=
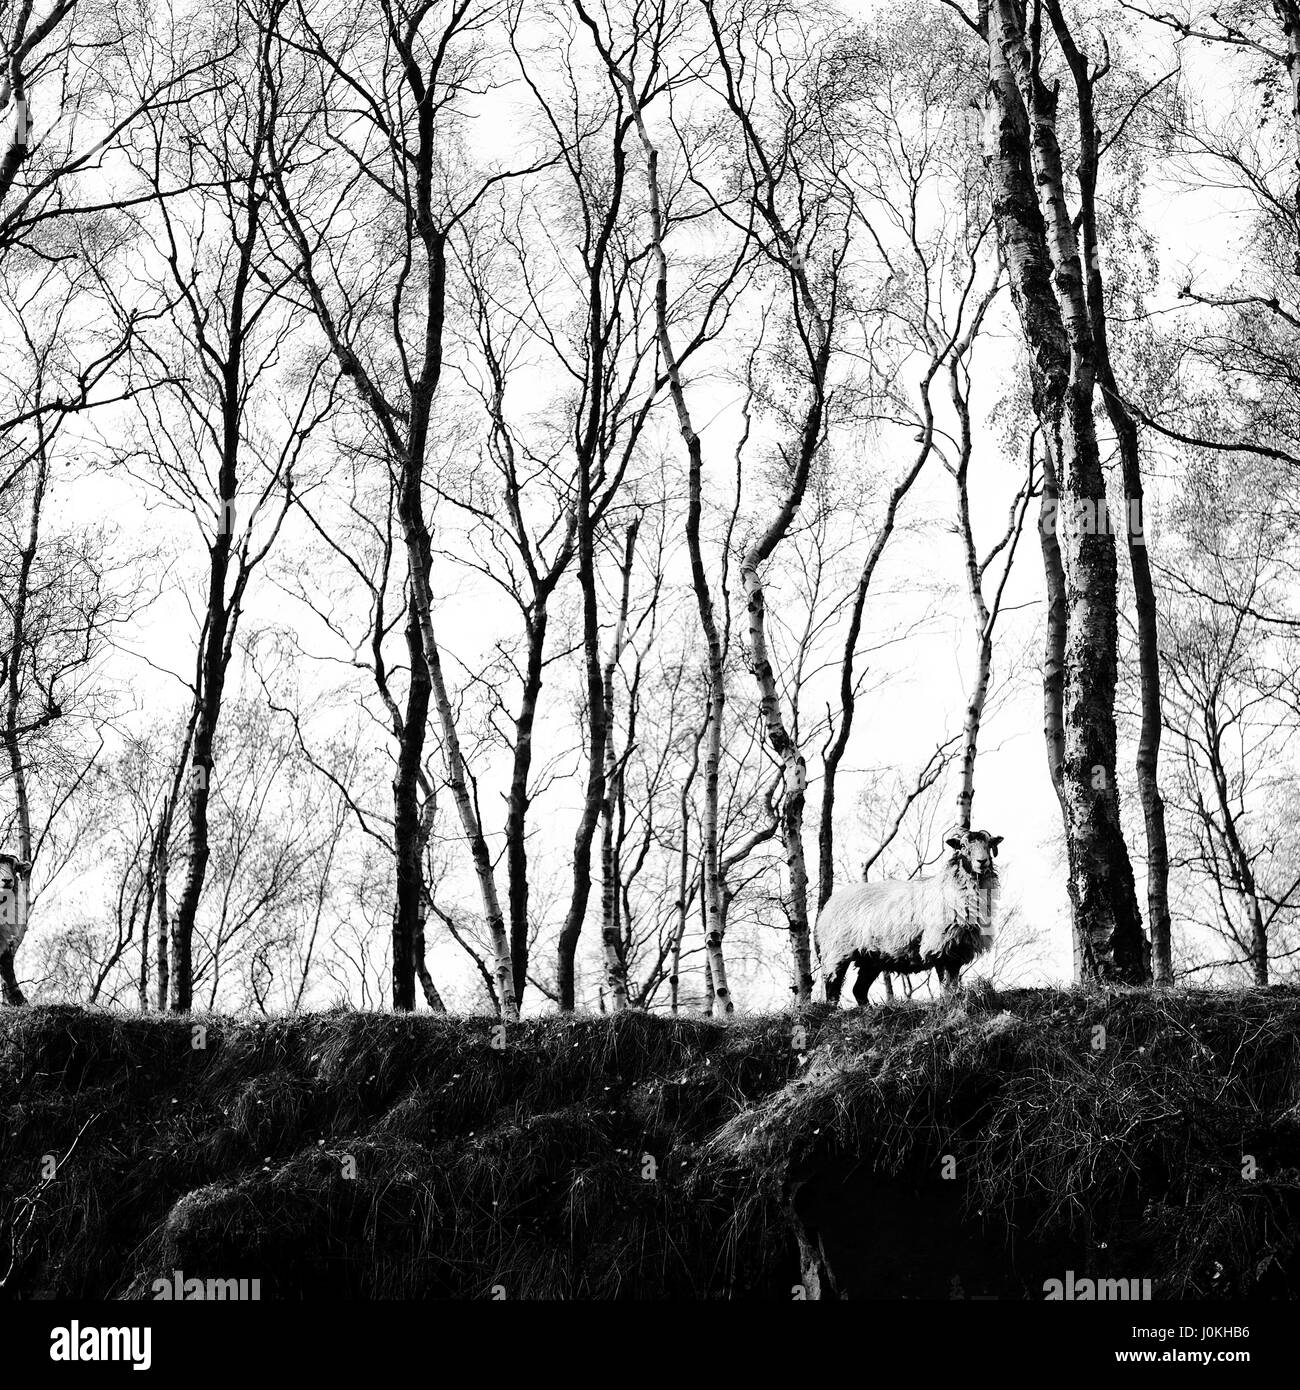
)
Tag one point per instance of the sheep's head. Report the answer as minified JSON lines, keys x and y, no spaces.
{"x":975,"y":851}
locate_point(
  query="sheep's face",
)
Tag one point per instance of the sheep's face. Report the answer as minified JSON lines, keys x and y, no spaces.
{"x":975,"y":851}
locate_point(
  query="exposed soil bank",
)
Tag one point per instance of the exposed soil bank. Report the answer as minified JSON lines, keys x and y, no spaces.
{"x":922,"y":1150}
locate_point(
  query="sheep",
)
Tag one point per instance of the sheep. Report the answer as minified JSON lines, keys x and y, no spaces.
{"x":941,"y":922}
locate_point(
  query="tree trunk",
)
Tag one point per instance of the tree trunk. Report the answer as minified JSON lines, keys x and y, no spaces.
{"x":517,"y":806}
{"x":146,"y":940}
{"x":955,"y":348}
{"x":1148,"y":750}
{"x":431,"y":995}
{"x":1144,"y":596}
{"x":974,"y":715}
{"x":986,"y":617}
{"x":457,"y":780}
{"x":971,"y":727}
{"x":814,"y":331}
{"x":1054,"y":653}
{"x":720,"y":994}
{"x":181,"y":996}
{"x":419,"y":565}
{"x":778,"y":735}
{"x":13,"y":993}
{"x":682,"y":906}
{"x":848,"y":692}
{"x":795,"y":769}
{"x":162,"y":863}
{"x":591,"y":446}
{"x":1288,"y":13}
{"x":221,"y":619}
{"x":17,"y":603}
{"x":596,"y":736}
{"x":1240,"y":861}
{"x":782,"y":744}
{"x":164,"y":915}
{"x":1041,"y":253}
{"x":615,"y":964}
{"x":1054,"y":638}
{"x":408,"y":828}
{"x":1258,"y":944}
{"x":721,"y":1002}
{"x":164,"y":935}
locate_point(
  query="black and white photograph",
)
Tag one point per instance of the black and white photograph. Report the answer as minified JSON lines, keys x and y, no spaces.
{"x":649,"y":653}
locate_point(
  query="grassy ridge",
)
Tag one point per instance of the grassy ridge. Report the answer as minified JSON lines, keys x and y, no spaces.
{"x":369,"y":1155}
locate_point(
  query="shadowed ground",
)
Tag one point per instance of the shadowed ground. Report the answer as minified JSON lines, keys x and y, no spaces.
{"x":922,"y":1150}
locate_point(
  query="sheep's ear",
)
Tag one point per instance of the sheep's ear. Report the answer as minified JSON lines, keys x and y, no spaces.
{"x":995,"y":841}
{"x":953,"y":842}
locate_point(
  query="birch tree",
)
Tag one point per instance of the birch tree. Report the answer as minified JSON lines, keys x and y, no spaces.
{"x":657,"y":32}
{"x":796,"y":196}
{"x":60,"y":582}
{"x":386,"y":141}
{"x":614,"y":906}
{"x":530,"y":542}
{"x":1232,"y":678}
{"x":1040,"y":247}
{"x":903,"y":118}
{"x":57,"y":615}
{"x":985,"y":585}
{"x":1086,"y":78}
{"x":216,"y":369}
{"x":1244,"y":320}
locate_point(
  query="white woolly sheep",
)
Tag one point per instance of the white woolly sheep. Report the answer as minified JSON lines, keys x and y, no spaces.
{"x":937,"y":923}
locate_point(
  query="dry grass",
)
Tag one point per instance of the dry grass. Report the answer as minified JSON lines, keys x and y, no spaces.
{"x":528,"y":1166}
{"x":1143,"y":1141}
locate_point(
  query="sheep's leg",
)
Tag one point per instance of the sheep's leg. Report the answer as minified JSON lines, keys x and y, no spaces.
{"x":866,"y":978}
{"x":835,"y":982}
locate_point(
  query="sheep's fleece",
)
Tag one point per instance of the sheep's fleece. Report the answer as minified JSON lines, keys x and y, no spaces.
{"x":909,"y":925}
